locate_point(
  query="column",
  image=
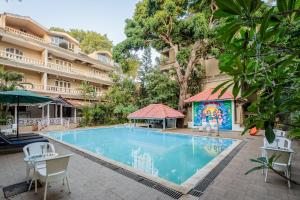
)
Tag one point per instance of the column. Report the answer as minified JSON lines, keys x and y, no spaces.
{"x":45,"y":81}
{"x":75,"y":115}
{"x":45,"y":57}
{"x":164,"y":124}
{"x":48,"y":114}
{"x":16,"y":113}
{"x":55,"y":110}
{"x":43,"y":112}
{"x":61,"y":114}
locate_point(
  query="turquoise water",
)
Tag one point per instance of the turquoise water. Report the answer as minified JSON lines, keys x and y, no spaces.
{"x":173,"y":157}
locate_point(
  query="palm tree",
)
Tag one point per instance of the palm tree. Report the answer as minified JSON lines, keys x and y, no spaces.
{"x":10,"y":80}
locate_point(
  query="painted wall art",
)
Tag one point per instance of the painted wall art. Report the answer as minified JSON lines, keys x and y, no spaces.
{"x":213,"y":113}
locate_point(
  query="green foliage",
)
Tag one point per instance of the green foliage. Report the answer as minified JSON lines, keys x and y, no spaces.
{"x":10,"y":80}
{"x":145,"y":68}
{"x":86,"y":116}
{"x":87,"y":90}
{"x":122,"y":97}
{"x":261,"y":54}
{"x":90,"y":41}
{"x":161,"y":89}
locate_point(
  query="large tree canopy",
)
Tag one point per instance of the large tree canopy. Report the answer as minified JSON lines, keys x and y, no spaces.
{"x":168,"y":24}
{"x":262,"y":56}
{"x":90,"y":41}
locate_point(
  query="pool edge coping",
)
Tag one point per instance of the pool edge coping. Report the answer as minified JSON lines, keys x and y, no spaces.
{"x":183,"y":188}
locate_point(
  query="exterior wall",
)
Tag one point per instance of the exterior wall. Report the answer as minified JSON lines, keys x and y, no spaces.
{"x":29,"y":76}
{"x":26,"y":52}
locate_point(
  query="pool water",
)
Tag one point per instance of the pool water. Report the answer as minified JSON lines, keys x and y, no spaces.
{"x":173,"y":157}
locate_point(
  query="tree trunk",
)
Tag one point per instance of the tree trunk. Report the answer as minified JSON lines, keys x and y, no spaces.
{"x":183,"y":86}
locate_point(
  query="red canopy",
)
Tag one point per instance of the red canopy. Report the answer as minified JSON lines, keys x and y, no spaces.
{"x":155,"y":111}
{"x":207,"y":95}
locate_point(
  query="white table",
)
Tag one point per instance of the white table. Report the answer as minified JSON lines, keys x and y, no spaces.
{"x":35,"y":159}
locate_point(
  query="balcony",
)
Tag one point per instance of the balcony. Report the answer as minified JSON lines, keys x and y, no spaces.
{"x":22,"y":33}
{"x":216,"y":78}
{"x":56,"y":90}
{"x":66,"y":48}
{"x":58,"y":69}
{"x":78,"y":72}
{"x":21,"y":58}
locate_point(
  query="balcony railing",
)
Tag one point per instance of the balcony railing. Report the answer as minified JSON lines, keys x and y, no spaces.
{"x":22,"y":33}
{"x":20,"y":58}
{"x":55,"y":89}
{"x":218,"y":77}
{"x":59,"y":68}
{"x":77,"y":72}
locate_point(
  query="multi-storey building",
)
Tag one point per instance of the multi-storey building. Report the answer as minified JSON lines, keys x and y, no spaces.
{"x":52,"y":62}
{"x":213,"y":78}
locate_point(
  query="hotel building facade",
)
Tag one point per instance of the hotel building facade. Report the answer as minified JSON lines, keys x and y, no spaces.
{"x":54,"y":65}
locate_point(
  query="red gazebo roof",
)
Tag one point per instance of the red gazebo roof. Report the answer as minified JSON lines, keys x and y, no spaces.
{"x":207,"y":95}
{"x":155,"y":111}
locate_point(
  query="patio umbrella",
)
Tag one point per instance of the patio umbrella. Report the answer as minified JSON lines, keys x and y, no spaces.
{"x":21,"y":96}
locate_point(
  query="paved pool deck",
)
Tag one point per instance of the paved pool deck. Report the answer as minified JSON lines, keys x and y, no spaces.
{"x":90,"y":180}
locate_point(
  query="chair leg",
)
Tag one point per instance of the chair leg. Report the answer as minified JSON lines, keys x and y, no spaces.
{"x":27,"y":173}
{"x":68,"y":184}
{"x":266,"y":175}
{"x":289,"y":176}
{"x":30,"y":184}
{"x":45,"y":193}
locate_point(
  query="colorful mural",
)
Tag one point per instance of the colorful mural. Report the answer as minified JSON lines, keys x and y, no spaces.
{"x":213,"y":113}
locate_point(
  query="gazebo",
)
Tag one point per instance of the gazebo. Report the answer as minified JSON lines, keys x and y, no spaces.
{"x":213,"y":109}
{"x":160,"y":112}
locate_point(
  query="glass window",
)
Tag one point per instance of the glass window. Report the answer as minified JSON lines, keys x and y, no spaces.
{"x":103,"y":58}
{"x":14,"y":53}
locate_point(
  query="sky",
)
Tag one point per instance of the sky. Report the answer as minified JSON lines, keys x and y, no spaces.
{"x":103,"y":16}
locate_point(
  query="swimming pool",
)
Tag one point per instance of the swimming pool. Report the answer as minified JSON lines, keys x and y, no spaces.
{"x":172,"y":157}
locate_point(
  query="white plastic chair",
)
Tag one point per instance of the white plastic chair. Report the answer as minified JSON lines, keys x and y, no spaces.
{"x":283,"y":162}
{"x":34,"y":149}
{"x":55,"y":170}
{"x":284,"y":143}
{"x":12,"y":129}
{"x":279,"y":133}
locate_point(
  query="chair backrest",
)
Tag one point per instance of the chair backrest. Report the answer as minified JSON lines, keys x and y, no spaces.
{"x":14,"y":126}
{"x":38,"y":148}
{"x":279,"y":133}
{"x":284,"y":157}
{"x":58,"y":164}
{"x":284,"y":143}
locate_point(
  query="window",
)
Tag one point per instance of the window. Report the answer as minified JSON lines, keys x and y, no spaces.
{"x":62,"y":86}
{"x":61,"y":42}
{"x":104,"y":58}
{"x":14,"y":53}
{"x":63,"y":63}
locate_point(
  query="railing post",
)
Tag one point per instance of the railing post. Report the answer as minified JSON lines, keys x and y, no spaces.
{"x":48,"y":114}
{"x":45,"y":81}
{"x":61,"y":114}
{"x":75,"y":115}
{"x":16,"y":113}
